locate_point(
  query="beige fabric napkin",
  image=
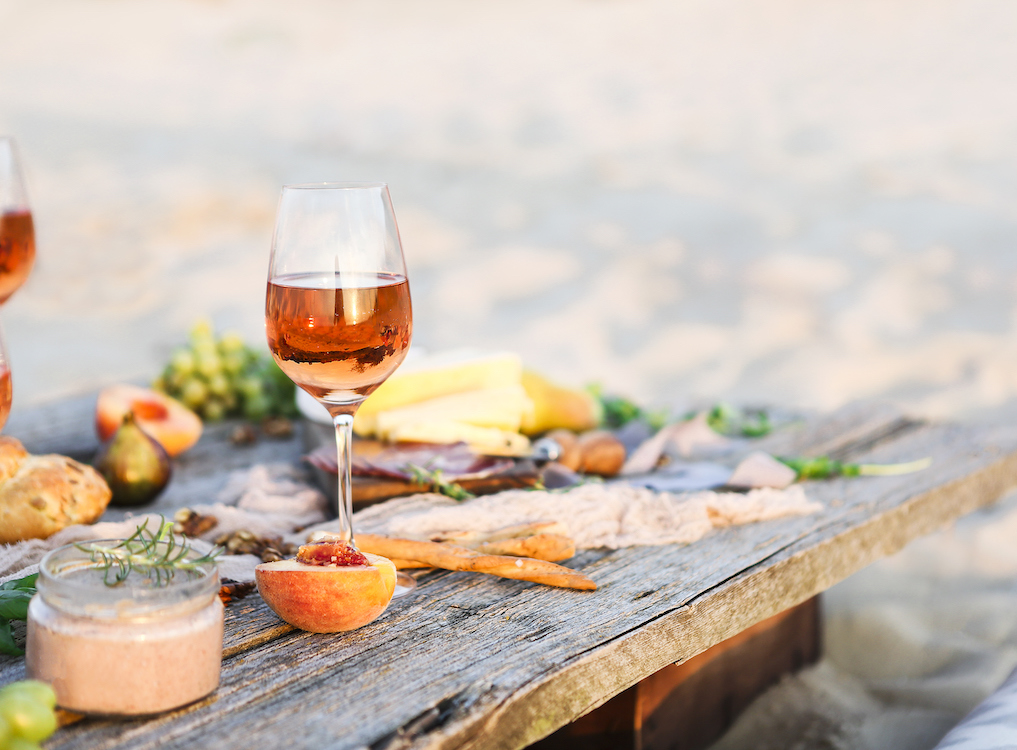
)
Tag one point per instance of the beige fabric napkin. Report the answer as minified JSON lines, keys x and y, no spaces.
{"x":272,"y":501}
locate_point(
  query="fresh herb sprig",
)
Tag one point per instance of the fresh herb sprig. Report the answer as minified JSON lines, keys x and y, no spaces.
{"x":435,"y":479}
{"x":159,"y":555}
{"x":824,"y":467}
{"x":729,"y":420}
{"x":619,"y":411}
{"x":14,"y":598}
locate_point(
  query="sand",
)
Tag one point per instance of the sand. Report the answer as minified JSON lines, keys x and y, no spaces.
{"x":781,"y":202}
{"x":912,"y":644}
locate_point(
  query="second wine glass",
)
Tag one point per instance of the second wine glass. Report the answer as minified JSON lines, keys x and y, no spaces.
{"x":17,"y":248}
{"x":337,"y":310}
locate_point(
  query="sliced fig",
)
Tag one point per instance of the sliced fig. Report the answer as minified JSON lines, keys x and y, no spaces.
{"x":335,"y":553}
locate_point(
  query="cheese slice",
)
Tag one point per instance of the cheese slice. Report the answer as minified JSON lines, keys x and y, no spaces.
{"x":485,"y":440}
{"x":500,"y":408}
{"x":430,"y":377}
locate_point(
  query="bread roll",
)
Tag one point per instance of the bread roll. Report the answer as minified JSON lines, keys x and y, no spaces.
{"x":39,"y":495}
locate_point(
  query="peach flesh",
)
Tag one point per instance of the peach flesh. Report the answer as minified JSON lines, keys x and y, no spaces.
{"x":175,"y":427}
{"x":327,"y":598}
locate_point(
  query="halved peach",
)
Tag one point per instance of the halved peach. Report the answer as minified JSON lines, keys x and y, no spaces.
{"x":175,"y":427}
{"x":327,"y":598}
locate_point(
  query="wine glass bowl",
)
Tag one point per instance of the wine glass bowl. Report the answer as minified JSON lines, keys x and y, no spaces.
{"x":6,"y":391}
{"x":17,"y":231}
{"x":337,"y":307}
{"x":17,"y":249}
{"x":339,"y":336}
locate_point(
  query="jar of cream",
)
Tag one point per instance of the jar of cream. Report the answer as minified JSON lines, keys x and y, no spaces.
{"x":144,"y":644}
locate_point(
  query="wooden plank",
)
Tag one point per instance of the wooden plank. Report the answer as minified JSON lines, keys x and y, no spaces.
{"x":496,"y":664}
{"x":848,"y":431}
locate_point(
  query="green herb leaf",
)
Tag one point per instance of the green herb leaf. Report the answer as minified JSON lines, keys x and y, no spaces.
{"x":824,"y":467}
{"x":619,"y":411}
{"x":14,"y":604}
{"x":7,"y":644}
{"x":726,"y":419}
{"x":436,"y":480}
{"x":27,"y":583}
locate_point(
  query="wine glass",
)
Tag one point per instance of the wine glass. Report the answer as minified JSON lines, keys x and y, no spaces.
{"x":17,"y":234}
{"x":17,"y":248}
{"x":337,"y":310}
{"x":6,"y":393}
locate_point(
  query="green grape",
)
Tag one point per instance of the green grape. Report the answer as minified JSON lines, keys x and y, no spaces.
{"x":233,"y":363}
{"x":36,"y":689}
{"x":182,"y":361}
{"x":20,"y":743}
{"x":193,"y":393}
{"x":230,"y":401}
{"x":175,"y":383}
{"x":204,"y":349}
{"x":250,"y":387}
{"x":231,"y":343}
{"x":257,"y":407}
{"x":201,"y":332}
{"x":213,"y":410}
{"x":218,"y":385}
{"x":208,"y":365}
{"x":27,"y":717}
{"x":5,"y":732}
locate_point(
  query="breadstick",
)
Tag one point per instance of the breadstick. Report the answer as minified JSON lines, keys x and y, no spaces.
{"x":407,"y":564}
{"x":550,"y":547}
{"x":448,"y":557}
{"x":470,"y":538}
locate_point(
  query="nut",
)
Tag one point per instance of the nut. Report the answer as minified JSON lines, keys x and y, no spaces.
{"x":602,"y":453}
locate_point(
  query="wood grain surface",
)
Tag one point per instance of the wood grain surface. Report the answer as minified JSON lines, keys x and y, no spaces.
{"x":472,"y":662}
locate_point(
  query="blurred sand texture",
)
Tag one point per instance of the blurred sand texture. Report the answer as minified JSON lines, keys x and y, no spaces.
{"x":791,"y":202}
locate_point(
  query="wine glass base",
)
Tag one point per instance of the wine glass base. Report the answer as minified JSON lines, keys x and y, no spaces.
{"x":405,"y":584}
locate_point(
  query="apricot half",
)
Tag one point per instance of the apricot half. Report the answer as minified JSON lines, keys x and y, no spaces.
{"x":327,"y":598}
{"x":175,"y":427}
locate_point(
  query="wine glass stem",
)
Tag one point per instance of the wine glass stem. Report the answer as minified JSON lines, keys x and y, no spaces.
{"x":344,"y":458}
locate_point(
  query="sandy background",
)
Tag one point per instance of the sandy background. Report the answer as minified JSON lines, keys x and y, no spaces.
{"x":772,"y":201}
{"x":789,"y":201}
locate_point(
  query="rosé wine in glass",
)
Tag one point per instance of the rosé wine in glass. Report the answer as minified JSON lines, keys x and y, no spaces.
{"x":338,"y":336}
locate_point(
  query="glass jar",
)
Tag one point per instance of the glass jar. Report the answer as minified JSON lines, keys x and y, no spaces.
{"x":142,"y":646}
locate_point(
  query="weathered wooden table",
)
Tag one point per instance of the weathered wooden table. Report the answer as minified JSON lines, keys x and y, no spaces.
{"x":474,"y":662}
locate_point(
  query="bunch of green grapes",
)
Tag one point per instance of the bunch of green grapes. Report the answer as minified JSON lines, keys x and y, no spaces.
{"x":26,"y":714}
{"x":226,"y":378}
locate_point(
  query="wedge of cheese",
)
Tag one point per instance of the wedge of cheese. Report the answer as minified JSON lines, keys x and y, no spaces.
{"x":502,"y":408}
{"x":439,"y":375}
{"x":486,"y":440}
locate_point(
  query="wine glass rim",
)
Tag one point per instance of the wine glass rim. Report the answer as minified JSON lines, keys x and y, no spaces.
{"x":334,"y":185}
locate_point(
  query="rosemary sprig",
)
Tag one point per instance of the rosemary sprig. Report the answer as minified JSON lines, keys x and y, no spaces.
{"x":159,"y":554}
{"x":435,"y":479}
{"x":824,"y":467}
